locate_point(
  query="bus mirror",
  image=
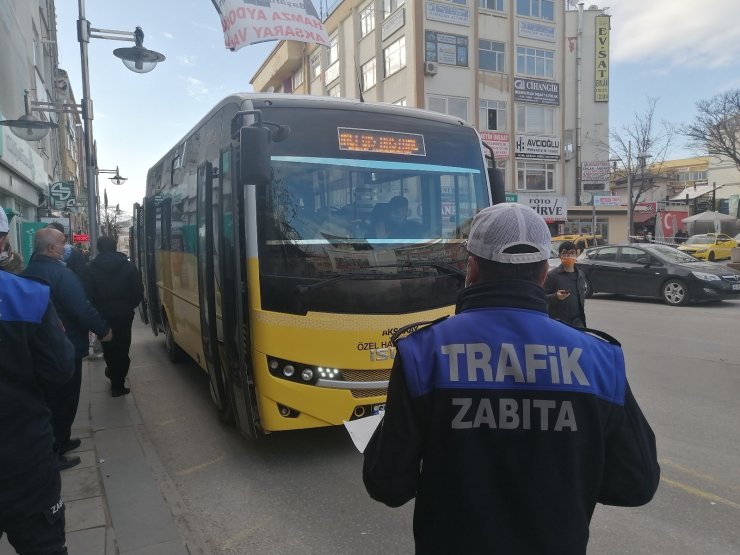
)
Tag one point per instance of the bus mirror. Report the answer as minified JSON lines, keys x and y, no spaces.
{"x":498,"y":193}
{"x":254,"y":156}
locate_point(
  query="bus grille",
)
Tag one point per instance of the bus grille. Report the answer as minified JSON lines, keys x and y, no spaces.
{"x":362,"y":393}
{"x":366,"y":375}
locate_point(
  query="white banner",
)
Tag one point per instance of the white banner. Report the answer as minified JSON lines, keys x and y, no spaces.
{"x":246,"y":23}
{"x":551,"y":208}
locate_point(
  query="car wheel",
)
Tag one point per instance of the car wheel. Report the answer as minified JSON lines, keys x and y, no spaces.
{"x":174,"y":351}
{"x":711,"y":256}
{"x":589,"y":290}
{"x":675,"y":292}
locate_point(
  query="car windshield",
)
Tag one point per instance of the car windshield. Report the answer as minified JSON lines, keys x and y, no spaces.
{"x":700,"y":239}
{"x":673,"y":255}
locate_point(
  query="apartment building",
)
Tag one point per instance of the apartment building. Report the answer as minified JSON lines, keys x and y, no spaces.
{"x":531,"y":75}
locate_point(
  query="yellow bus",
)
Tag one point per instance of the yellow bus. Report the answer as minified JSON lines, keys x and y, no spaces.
{"x":284,"y":239}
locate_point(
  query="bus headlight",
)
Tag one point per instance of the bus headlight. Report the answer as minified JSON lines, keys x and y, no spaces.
{"x":302,"y":373}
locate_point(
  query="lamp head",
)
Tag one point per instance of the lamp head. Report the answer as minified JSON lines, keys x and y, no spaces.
{"x":137,"y":58}
{"x":28,"y":127}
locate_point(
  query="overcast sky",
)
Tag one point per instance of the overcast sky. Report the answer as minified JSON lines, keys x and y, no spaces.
{"x":678,"y":51}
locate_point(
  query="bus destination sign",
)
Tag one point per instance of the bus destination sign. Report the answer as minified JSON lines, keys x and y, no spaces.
{"x":385,"y":142}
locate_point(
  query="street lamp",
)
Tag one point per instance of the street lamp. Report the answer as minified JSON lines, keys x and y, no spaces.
{"x":142,"y":60}
{"x":117,"y":179}
{"x":28,"y":127}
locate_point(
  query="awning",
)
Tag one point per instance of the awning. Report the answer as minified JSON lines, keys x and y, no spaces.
{"x":642,"y":217}
{"x":695,"y":191}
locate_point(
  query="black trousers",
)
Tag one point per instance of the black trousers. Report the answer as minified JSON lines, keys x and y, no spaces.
{"x":115,"y":352}
{"x":63,"y":401}
{"x":34,"y":522}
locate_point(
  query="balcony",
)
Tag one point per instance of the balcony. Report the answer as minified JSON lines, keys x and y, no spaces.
{"x":279,"y":66}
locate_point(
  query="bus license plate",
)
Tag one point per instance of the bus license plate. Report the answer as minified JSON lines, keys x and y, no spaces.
{"x":379,"y":409}
{"x":736,"y":286}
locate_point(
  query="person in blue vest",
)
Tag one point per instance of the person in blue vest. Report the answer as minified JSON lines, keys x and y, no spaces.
{"x":507,"y":426}
{"x":36,"y":357}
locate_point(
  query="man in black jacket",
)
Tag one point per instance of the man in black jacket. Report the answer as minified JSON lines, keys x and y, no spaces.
{"x":36,"y":357}
{"x":78,"y":317}
{"x":565,"y":288}
{"x":114,"y":286}
{"x":507,"y":426}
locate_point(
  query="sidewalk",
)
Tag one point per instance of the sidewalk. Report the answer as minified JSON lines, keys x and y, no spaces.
{"x":114,"y":498}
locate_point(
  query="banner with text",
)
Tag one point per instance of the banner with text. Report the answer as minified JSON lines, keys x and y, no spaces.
{"x":246,"y":22}
{"x":551,"y":208}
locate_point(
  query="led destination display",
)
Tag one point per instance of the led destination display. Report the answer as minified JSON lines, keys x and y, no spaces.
{"x":386,"y":142}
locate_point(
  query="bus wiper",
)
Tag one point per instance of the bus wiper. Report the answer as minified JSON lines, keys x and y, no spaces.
{"x":341,"y":277}
{"x":445,"y":267}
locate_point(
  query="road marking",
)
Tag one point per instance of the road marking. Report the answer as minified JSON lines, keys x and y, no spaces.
{"x":700,"y":493}
{"x":695,"y":474}
{"x":172,"y":420}
{"x":199,"y":466}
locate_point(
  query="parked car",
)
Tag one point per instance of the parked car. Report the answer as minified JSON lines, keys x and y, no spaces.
{"x":709,"y":246}
{"x":554,"y":260}
{"x":653,"y":270}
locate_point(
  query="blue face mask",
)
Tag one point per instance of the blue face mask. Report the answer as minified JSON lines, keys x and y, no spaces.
{"x":67,"y":252}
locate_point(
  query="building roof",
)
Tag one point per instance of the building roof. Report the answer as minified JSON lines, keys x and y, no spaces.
{"x":696,"y":191}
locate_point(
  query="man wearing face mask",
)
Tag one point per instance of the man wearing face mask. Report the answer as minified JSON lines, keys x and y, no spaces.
{"x":78,"y":316}
{"x":565,"y":288}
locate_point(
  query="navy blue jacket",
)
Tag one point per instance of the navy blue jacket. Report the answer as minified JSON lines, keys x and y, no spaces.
{"x":508,"y":427}
{"x":70,"y":301}
{"x":35,"y":357}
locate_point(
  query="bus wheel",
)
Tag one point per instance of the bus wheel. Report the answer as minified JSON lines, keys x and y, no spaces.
{"x":174,"y":351}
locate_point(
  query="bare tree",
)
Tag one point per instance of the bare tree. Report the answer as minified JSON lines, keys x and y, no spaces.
{"x":715,"y":129}
{"x":637,"y":142}
{"x":113,"y":220}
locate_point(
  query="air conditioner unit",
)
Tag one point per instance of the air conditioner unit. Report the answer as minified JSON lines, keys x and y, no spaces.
{"x":430,"y":68}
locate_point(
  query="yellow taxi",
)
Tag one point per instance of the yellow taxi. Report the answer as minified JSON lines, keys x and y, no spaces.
{"x":582,"y":241}
{"x":709,"y":246}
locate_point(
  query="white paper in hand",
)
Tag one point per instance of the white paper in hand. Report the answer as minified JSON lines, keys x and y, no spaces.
{"x":362,"y":429}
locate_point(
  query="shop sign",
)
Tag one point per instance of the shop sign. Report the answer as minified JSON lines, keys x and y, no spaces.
{"x":551,"y":208}
{"x":532,"y":146}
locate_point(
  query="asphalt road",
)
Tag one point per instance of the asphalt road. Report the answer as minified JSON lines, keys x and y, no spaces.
{"x":302,"y":491}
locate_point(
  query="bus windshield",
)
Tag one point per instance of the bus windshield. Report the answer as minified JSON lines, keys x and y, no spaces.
{"x":365,"y":236}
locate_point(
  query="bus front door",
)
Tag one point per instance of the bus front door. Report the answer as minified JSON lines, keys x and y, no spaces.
{"x":209,"y":324}
{"x":234,"y":302}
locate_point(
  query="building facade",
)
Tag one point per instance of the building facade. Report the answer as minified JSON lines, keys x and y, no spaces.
{"x":29,"y":61}
{"x":530,"y":75}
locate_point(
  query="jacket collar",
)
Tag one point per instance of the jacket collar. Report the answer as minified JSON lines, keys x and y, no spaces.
{"x":510,"y":293}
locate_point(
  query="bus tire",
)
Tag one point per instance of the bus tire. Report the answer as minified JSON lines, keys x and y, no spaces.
{"x":174,"y":351}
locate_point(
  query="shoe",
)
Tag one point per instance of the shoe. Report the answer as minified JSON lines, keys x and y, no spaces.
{"x":107,"y":372}
{"x":118,"y":392}
{"x":67,"y":462}
{"x":71,"y":445}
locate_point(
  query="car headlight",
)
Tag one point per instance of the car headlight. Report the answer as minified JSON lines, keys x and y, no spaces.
{"x":701,"y":250}
{"x":705,"y":276}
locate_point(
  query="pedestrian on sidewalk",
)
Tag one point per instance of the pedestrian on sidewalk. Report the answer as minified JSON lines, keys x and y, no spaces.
{"x":114,"y":287}
{"x":36,"y":357}
{"x":565,"y":288}
{"x":78,"y":316}
{"x":507,"y":426}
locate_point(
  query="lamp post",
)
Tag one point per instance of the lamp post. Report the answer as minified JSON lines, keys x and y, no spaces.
{"x":138,"y":59}
{"x":29,"y":128}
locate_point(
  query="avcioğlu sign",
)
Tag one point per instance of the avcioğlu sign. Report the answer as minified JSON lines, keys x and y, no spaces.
{"x":532,"y":146}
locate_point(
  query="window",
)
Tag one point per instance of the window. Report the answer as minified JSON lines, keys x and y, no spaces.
{"x":491,"y":55}
{"x":534,"y":119}
{"x":607,"y":254}
{"x":495,"y":5}
{"x":453,"y":106}
{"x":298,"y":78}
{"x":334,"y":91}
{"x":390,"y":6}
{"x":492,"y":115}
{"x":395,"y":56}
{"x":316,"y":64}
{"x":541,"y":9}
{"x":368,"y":75}
{"x":535,"y":176}
{"x":367,"y":20}
{"x":535,"y":62}
{"x":333,"y":49}
{"x":691,"y":176}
